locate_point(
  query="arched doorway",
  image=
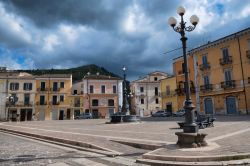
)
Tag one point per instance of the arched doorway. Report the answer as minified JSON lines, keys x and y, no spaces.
{"x":231,"y":105}
{"x":208,"y":106}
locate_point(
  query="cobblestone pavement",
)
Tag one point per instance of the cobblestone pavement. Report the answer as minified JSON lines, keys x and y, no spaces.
{"x":22,"y":151}
{"x":231,"y":133}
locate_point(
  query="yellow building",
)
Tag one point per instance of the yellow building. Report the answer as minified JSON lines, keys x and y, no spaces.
{"x":178,"y":68}
{"x":168,"y":94}
{"x":77,"y":99}
{"x":52,"y":101}
{"x":223,"y":74}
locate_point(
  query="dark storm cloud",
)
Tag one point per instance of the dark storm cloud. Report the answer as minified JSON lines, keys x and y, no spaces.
{"x":46,"y":13}
{"x":110,"y":33}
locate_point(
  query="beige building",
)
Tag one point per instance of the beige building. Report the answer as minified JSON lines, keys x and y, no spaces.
{"x":146,"y":93}
{"x":22,"y":87}
{"x":102,"y":95}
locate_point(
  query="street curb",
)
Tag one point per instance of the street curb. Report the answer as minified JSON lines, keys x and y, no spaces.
{"x":195,"y":158}
{"x":147,"y":146}
{"x":86,"y":146}
{"x":178,"y":163}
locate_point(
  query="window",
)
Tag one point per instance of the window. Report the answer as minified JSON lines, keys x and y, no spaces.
{"x":103,"y":88}
{"x":225,"y":54}
{"x":156,"y":91}
{"x":142,"y":101}
{"x":141,"y":89}
{"x":75,"y":92}
{"x":206,"y":80}
{"x":91,"y":89}
{"x":249,"y":44}
{"x":61,"y":84}
{"x":43,"y":86}
{"x":26,"y":99}
{"x":27,"y":86}
{"x":156,"y":101}
{"x":61,"y":98}
{"x":54,"y":100}
{"x":204,"y":59}
{"x":155,"y":79}
{"x":14,"y":86}
{"x":168,"y":90}
{"x":55,"y":87}
{"x":111,"y":102}
{"x":114,"y":89}
{"x":94,"y":102}
{"x":42,"y":100}
{"x":228,"y":76}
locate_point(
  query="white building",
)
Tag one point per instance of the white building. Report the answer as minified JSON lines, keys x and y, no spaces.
{"x":146,"y":93}
{"x":21,"y":85}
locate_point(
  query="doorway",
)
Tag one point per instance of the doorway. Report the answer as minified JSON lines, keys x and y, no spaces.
{"x":61,"y":114}
{"x":22,"y":114}
{"x":68,"y":113}
{"x":169,"y":108}
{"x":29,"y":114}
{"x":95,"y":114}
{"x":208,"y":106}
{"x":231,"y":105}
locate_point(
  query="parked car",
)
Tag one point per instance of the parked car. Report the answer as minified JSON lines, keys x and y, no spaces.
{"x":179,"y":113}
{"x":84,"y":116}
{"x":161,"y":113}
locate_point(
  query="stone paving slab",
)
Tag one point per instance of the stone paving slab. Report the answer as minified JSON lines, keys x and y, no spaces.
{"x":231,"y":134}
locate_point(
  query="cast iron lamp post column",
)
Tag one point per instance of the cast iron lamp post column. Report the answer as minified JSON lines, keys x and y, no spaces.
{"x":189,"y":126}
{"x":125,"y":106}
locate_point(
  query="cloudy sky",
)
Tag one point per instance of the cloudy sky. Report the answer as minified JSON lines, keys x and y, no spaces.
{"x":109,"y":33}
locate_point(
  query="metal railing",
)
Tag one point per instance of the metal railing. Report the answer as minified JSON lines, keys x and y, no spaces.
{"x":228,"y":84}
{"x":206,"y":87}
{"x":225,"y":61}
{"x":204,"y":66}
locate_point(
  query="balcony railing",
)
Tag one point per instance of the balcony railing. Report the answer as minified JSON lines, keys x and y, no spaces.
{"x":207,"y":87}
{"x":182,"y":91}
{"x":228,"y":84}
{"x":20,"y":104}
{"x":42,"y":89}
{"x":225,"y":61}
{"x":205,"y":66}
{"x":55,"y":89}
{"x":55,"y":103}
{"x":248,"y":54}
{"x":77,"y":105}
{"x":41,"y":103}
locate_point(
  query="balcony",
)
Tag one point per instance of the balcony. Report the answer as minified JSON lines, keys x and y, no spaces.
{"x":41,"y":103}
{"x":182,"y":91}
{"x":55,"y":89}
{"x":42,"y":89}
{"x":228,"y":84}
{"x":248,"y":54}
{"x":55,"y":103}
{"x":77,"y":105}
{"x":205,"y":66}
{"x":226,"y":61}
{"x":207,"y":87}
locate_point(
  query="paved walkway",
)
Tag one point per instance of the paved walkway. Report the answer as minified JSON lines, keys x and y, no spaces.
{"x":230,"y":134}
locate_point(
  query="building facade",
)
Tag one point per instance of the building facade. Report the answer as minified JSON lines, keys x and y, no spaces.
{"x":22,"y":87}
{"x":146,"y":93}
{"x":52,"y":97}
{"x":102,"y":95}
{"x":77,"y":99}
{"x":222,"y":69}
{"x":178,"y":68}
{"x":168,"y":94}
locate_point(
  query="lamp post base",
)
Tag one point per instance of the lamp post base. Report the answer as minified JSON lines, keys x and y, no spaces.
{"x":190,"y":128}
{"x":191,"y":140}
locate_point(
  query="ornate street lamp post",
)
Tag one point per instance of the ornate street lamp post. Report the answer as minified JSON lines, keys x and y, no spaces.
{"x":125,"y":105}
{"x":190,"y":129}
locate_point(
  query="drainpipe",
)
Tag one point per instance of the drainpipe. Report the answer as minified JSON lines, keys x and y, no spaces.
{"x":242,"y":72}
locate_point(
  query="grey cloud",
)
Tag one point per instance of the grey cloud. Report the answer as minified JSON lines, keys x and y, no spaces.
{"x":47,"y":13}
